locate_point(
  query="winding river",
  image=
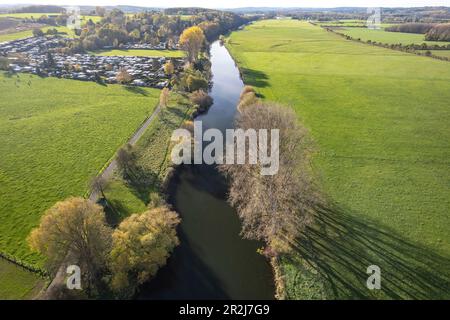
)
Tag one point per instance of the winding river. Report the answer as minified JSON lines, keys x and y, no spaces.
{"x":212,"y":260}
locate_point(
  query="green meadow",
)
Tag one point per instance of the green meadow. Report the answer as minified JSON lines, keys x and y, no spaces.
{"x":29,"y":33}
{"x":142,"y":53}
{"x":153,"y":157}
{"x":380,"y":119}
{"x":56,"y":135}
{"x":18,"y":283}
{"x":26,"y":15}
{"x":383,"y":36}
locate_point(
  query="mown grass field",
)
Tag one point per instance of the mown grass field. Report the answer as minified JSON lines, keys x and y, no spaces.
{"x":26,"y":15}
{"x":18,"y":283}
{"x":383,"y":36}
{"x":142,"y":53}
{"x":29,"y":33}
{"x":153,"y":157}
{"x":380,"y":121}
{"x":57,"y":134}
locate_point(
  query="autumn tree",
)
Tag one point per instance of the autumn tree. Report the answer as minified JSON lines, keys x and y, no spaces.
{"x":274,"y":208}
{"x":123,"y":76}
{"x":164,"y":97}
{"x":191,"y":40}
{"x":75,"y":229}
{"x":140,"y":246}
{"x":247,"y":97}
{"x":169,"y":68}
{"x":201,"y":98}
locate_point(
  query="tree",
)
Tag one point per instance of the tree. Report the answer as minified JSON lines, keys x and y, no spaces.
{"x":38,"y":32}
{"x":195,"y":83}
{"x":125,"y":161}
{"x":201,"y":98}
{"x":164,"y":97}
{"x":169,"y":68}
{"x":191,"y":40}
{"x":274,"y":208}
{"x":99,"y":184}
{"x":100,"y":11}
{"x":76,"y":228}
{"x":4,"y":64}
{"x":140,"y":246}
{"x":123,"y":76}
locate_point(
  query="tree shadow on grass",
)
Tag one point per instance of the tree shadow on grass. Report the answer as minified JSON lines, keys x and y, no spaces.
{"x":255,"y":78}
{"x":136,"y":90}
{"x":340,"y":247}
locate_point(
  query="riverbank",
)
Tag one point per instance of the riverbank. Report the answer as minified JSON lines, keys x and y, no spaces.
{"x":212,"y":261}
{"x":362,"y":105}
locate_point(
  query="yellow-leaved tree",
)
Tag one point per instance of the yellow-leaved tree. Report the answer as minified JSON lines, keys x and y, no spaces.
{"x":140,"y":246}
{"x":191,"y":40}
{"x":74,"y":229}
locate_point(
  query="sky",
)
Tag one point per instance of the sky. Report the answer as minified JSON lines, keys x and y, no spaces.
{"x":242,"y":3}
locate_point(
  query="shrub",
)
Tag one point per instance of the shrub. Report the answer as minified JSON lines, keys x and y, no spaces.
{"x":195,"y":83}
{"x":246,"y":90}
{"x":38,"y":33}
{"x":201,"y":98}
{"x":4,"y":64}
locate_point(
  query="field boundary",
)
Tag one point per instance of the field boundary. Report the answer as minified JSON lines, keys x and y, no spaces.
{"x":401,"y":48}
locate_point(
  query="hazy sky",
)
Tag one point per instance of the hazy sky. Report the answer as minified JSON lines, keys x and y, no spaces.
{"x":243,"y":3}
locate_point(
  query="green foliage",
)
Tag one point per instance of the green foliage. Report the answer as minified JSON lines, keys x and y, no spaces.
{"x":140,"y":246}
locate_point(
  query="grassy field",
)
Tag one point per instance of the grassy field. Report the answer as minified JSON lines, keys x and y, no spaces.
{"x":56,"y":134}
{"x":26,"y":15}
{"x":153,"y":157}
{"x":388,"y":37}
{"x":142,"y":53}
{"x":29,"y":33}
{"x":18,"y":283}
{"x":380,"y":120}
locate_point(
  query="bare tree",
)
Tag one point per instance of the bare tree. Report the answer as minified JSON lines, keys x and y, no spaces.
{"x":99,"y":184}
{"x":274,"y":208}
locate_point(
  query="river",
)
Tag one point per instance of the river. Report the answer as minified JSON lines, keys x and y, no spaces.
{"x":212,"y":260}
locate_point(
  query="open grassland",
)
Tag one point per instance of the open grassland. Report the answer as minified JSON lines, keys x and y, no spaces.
{"x":142,"y":53}
{"x":29,"y":33}
{"x":18,"y":283}
{"x":153,"y":157}
{"x":56,"y":134}
{"x":382,"y":36}
{"x":26,"y":15}
{"x":380,"y":120}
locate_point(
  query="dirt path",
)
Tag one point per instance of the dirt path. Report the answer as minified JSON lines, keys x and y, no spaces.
{"x":108,"y":172}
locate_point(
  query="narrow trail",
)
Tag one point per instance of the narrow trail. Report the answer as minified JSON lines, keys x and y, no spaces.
{"x":108,"y":172}
{"x":59,"y":278}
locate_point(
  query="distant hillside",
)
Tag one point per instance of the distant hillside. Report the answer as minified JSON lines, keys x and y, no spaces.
{"x":40,"y":9}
